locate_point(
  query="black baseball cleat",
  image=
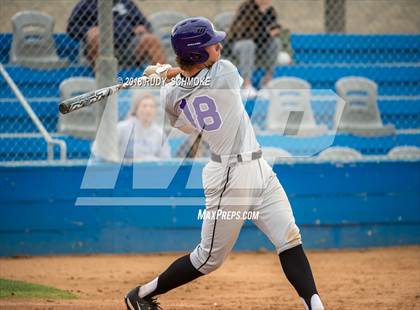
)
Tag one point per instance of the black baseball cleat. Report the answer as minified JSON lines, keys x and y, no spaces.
{"x":134,"y":302}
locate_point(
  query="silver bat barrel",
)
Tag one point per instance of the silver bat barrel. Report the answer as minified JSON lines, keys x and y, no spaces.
{"x":87,"y":99}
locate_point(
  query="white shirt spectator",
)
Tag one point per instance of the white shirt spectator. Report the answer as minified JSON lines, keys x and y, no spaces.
{"x":139,"y":142}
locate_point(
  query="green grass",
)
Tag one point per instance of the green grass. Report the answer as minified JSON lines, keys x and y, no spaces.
{"x":11,"y":289}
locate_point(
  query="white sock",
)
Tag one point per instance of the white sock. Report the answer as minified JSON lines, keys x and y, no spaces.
{"x":316,"y":303}
{"x":148,"y":288}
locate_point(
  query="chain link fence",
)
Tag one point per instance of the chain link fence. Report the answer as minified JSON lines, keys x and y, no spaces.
{"x":317,"y":73}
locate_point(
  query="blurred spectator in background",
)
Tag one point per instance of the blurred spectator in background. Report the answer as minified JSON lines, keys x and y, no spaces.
{"x":145,"y":138}
{"x":133,"y":42}
{"x":253,"y":40}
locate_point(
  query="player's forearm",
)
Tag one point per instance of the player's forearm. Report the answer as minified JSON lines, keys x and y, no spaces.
{"x":172,"y":72}
{"x":186,"y":129}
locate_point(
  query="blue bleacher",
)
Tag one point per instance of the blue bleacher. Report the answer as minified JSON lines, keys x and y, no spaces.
{"x":308,"y":48}
{"x":66,"y":47}
{"x":355,"y":49}
{"x":392,"y":61}
{"x":392,"y":81}
{"x":36,"y":83}
{"x":305,"y":146}
{"x":401,"y":80}
{"x":404,"y":114}
{"x":34,"y":148}
{"x":14,"y":119}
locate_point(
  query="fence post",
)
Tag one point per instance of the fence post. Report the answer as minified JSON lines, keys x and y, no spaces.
{"x":106,"y":143}
{"x":335,"y":16}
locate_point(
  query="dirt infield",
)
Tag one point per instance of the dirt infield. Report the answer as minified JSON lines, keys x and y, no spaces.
{"x":347,"y":279}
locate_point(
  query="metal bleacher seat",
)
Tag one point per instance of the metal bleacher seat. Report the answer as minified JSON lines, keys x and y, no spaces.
{"x":405,"y":152}
{"x":289,"y":110}
{"x":162,"y":23}
{"x":33,"y":44}
{"x":82,"y":123}
{"x":361,"y":114}
{"x":223,"y":21}
{"x":340,"y":153}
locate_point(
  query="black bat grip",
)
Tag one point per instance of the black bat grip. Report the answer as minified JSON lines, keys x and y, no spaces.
{"x":64,"y":109}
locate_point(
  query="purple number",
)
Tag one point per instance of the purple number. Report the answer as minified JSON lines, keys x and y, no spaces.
{"x":184,"y":107}
{"x":208,"y":117}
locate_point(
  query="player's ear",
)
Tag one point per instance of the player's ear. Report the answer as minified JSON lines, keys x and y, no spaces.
{"x":195,"y":56}
{"x":202,"y":56}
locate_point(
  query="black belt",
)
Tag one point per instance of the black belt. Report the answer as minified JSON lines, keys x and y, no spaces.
{"x":238,"y":157}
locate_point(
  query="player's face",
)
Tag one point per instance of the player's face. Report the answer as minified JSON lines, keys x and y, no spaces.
{"x":146,"y":111}
{"x":214,"y":53}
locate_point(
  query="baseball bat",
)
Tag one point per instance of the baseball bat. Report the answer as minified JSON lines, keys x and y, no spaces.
{"x":87,"y":99}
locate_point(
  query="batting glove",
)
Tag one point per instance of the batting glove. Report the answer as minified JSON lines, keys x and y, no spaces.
{"x":157,"y":71}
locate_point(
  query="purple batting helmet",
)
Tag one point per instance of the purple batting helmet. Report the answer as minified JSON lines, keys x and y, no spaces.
{"x":190,"y":36}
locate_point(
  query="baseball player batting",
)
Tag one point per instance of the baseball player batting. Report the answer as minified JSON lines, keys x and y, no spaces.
{"x":237,"y":178}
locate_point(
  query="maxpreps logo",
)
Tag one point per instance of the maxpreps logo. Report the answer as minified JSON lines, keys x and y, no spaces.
{"x":227,"y":215}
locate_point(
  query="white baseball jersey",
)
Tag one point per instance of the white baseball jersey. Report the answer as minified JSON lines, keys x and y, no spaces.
{"x":214,"y":106}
